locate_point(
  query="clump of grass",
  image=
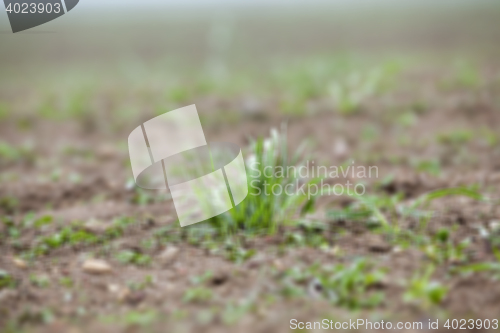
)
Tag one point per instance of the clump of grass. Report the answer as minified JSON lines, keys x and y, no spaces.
{"x":133,"y":257}
{"x":348,"y":95}
{"x":464,"y":75}
{"x":442,"y":249}
{"x":76,"y":235}
{"x":4,"y":111}
{"x":41,"y":281}
{"x":8,"y":204}
{"x":6,"y":280}
{"x":66,"y":281}
{"x":146,"y":282}
{"x":431,"y":167}
{"x":384,"y":214}
{"x":294,"y":106}
{"x":344,"y":80}
{"x":179,"y":94}
{"x":263,"y":211}
{"x":491,"y":235}
{"x":491,"y":267}
{"x":238,"y":254}
{"x":491,"y":138}
{"x":143,"y":197}
{"x":419,"y":107}
{"x":407,"y":119}
{"x":350,"y":286}
{"x":424,"y":291}
{"x":10,"y":228}
{"x":309,"y":233}
{"x":200,"y":279}
{"x":197,"y":295}
{"x":10,"y":153}
{"x":455,"y":137}
{"x":143,"y":318}
{"x":43,"y":220}
{"x":303,"y":83}
{"x":134,"y":317}
{"x":425,"y":199}
{"x":235,"y":311}
{"x":346,"y":100}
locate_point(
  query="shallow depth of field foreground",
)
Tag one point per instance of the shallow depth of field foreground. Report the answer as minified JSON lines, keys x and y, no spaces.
{"x":411,"y":91}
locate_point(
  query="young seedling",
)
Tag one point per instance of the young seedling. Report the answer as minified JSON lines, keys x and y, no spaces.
{"x":6,"y":280}
{"x":263,"y":210}
{"x":133,"y":257}
{"x":41,"y":281}
{"x":348,"y":286}
{"x":423,"y":291}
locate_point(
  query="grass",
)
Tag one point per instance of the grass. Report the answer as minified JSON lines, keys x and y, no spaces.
{"x":353,"y":284}
{"x":407,"y":119}
{"x":349,"y":286}
{"x":41,"y":281}
{"x":430,"y":166}
{"x":145,"y":283}
{"x":8,"y":204}
{"x":16,"y":153}
{"x":464,"y":75}
{"x":262,"y":210}
{"x":235,"y":311}
{"x":66,"y":282}
{"x":343,"y":80}
{"x":6,"y":280}
{"x":144,"y":197}
{"x":197,"y":295}
{"x":133,"y":257}
{"x":443,"y":250}
{"x":42,"y":221}
{"x":455,"y":137}
{"x":11,"y":229}
{"x":492,"y":268}
{"x":75,"y":235}
{"x":424,"y":291}
{"x":310,"y":233}
{"x":132,"y":317}
{"x":385,"y":215}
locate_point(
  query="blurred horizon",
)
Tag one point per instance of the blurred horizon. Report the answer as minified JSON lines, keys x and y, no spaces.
{"x":253,"y":30}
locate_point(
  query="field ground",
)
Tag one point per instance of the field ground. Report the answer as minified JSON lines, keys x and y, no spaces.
{"x":409,"y":249}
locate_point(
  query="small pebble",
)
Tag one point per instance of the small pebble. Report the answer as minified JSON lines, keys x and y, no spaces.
{"x":96,"y":266}
{"x":278,"y":265}
{"x":169,"y":254}
{"x":19,"y":263}
{"x":113,"y":288}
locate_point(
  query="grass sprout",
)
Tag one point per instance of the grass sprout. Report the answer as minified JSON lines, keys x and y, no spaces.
{"x":350,"y":286}
{"x":262,"y":210}
{"x":424,"y":291}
